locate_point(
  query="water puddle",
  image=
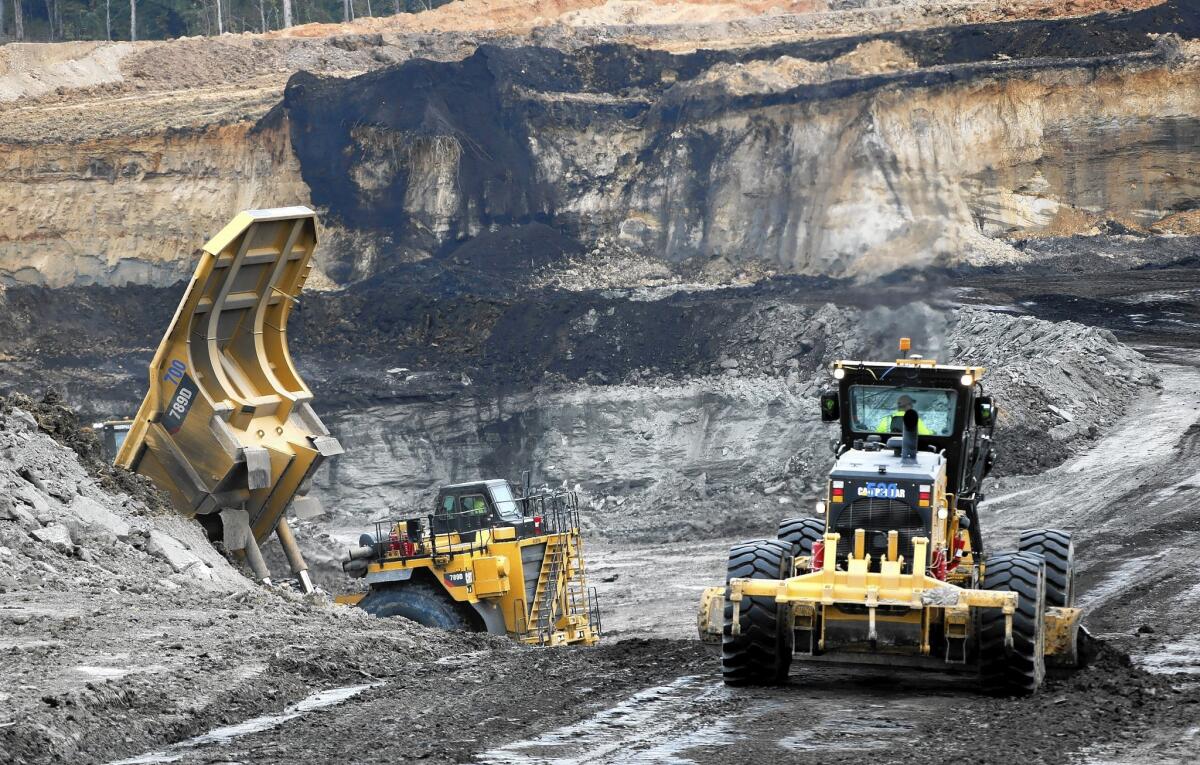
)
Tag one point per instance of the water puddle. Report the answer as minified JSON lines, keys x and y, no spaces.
{"x":1182,"y":656}
{"x":1129,"y":575}
{"x":856,"y":730}
{"x":461,"y":659}
{"x":227,"y":733}
{"x":655,"y":725}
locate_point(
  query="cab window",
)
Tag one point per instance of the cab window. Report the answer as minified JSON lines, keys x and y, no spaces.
{"x":474,"y":503}
{"x":506,"y":505}
{"x":873,"y":408}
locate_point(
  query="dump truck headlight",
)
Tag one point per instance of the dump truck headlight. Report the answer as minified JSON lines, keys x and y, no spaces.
{"x":967,"y":380}
{"x":839,"y":373}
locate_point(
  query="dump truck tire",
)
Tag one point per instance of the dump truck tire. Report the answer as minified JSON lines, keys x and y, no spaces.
{"x":423,"y":603}
{"x":1018,"y":671}
{"x":1057,"y":549}
{"x":800,"y":533}
{"x":762,"y":651}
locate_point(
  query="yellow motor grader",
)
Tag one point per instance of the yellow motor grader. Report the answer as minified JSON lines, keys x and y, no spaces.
{"x":893,"y":570}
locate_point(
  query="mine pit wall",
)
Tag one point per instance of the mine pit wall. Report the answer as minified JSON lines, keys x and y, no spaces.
{"x":134,"y":209}
{"x":655,"y":449}
{"x":910,"y":177}
{"x":726,"y":453}
{"x":857,"y":177}
{"x":860,"y":176}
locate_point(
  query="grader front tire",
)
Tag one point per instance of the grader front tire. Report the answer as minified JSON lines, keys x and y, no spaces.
{"x":1019,"y":670}
{"x":1057,"y":549}
{"x":801,"y":533}
{"x":761,"y":652}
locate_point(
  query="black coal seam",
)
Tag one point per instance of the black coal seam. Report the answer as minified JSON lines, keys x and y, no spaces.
{"x":617,"y":65}
{"x":927,"y":78}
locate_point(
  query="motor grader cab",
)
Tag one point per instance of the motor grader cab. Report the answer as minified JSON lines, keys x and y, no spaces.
{"x":485,"y":559}
{"x":226,"y":428}
{"x":893,"y":568}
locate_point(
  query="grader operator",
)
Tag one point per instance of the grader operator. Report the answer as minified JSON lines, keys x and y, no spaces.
{"x":894,"y":569}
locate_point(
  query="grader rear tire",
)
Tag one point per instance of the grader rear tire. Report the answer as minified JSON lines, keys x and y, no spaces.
{"x":762,"y":653}
{"x":1057,"y":549}
{"x":800,"y":533}
{"x":1018,"y":671}
{"x":421,"y":602}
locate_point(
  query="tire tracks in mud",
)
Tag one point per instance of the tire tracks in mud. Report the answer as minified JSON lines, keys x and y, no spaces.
{"x":1128,"y":500}
{"x":449,"y":708}
{"x":1189,"y":443}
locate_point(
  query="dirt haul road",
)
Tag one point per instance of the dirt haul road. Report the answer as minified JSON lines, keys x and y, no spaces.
{"x":653,"y":695}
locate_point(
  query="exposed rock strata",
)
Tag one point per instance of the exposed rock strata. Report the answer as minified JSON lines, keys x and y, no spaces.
{"x":852,"y":155}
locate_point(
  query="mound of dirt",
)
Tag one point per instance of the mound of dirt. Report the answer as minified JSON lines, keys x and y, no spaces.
{"x":66,"y":516}
{"x":61,"y":423}
{"x":109,"y":610}
{"x":1057,"y":383}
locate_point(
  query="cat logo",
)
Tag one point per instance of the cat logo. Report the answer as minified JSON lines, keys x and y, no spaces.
{"x":881,"y":490}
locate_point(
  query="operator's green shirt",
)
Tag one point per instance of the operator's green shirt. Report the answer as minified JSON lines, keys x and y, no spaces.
{"x":885,"y":424}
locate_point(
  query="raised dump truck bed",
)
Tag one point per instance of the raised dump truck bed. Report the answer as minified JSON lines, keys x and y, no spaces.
{"x":226,"y":428}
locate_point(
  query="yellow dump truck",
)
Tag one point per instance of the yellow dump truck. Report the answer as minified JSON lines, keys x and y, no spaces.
{"x":227,"y":431}
{"x":485,"y":559}
{"x":226,"y":428}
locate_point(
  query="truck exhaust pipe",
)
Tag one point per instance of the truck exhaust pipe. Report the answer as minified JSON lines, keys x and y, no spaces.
{"x":908,"y":443}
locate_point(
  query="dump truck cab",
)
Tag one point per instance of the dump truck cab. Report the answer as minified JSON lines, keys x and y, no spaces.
{"x":479,"y":503}
{"x":485,"y":558}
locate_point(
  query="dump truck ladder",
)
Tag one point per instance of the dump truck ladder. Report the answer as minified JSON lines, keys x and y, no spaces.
{"x":562,"y":603}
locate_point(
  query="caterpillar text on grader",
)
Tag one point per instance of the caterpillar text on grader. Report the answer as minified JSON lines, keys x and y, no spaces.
{"x":896,"y":572}
{"x":227,"y":431}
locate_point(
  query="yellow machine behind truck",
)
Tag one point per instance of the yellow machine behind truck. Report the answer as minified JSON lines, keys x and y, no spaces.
{"x":894,"y":570}
{"x":487,"y":560}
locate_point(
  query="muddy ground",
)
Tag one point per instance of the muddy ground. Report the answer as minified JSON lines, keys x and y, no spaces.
{"x":130,"y":669}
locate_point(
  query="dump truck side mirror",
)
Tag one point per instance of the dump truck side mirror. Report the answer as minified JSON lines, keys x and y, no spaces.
{"x":985,"y":411}
{"x":830,"y":410}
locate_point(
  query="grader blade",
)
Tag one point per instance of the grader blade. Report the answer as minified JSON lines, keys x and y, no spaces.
{"x":226,"y":428}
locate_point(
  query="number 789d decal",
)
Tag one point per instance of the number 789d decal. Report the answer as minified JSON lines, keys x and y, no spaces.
{"x":181,"y":403}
